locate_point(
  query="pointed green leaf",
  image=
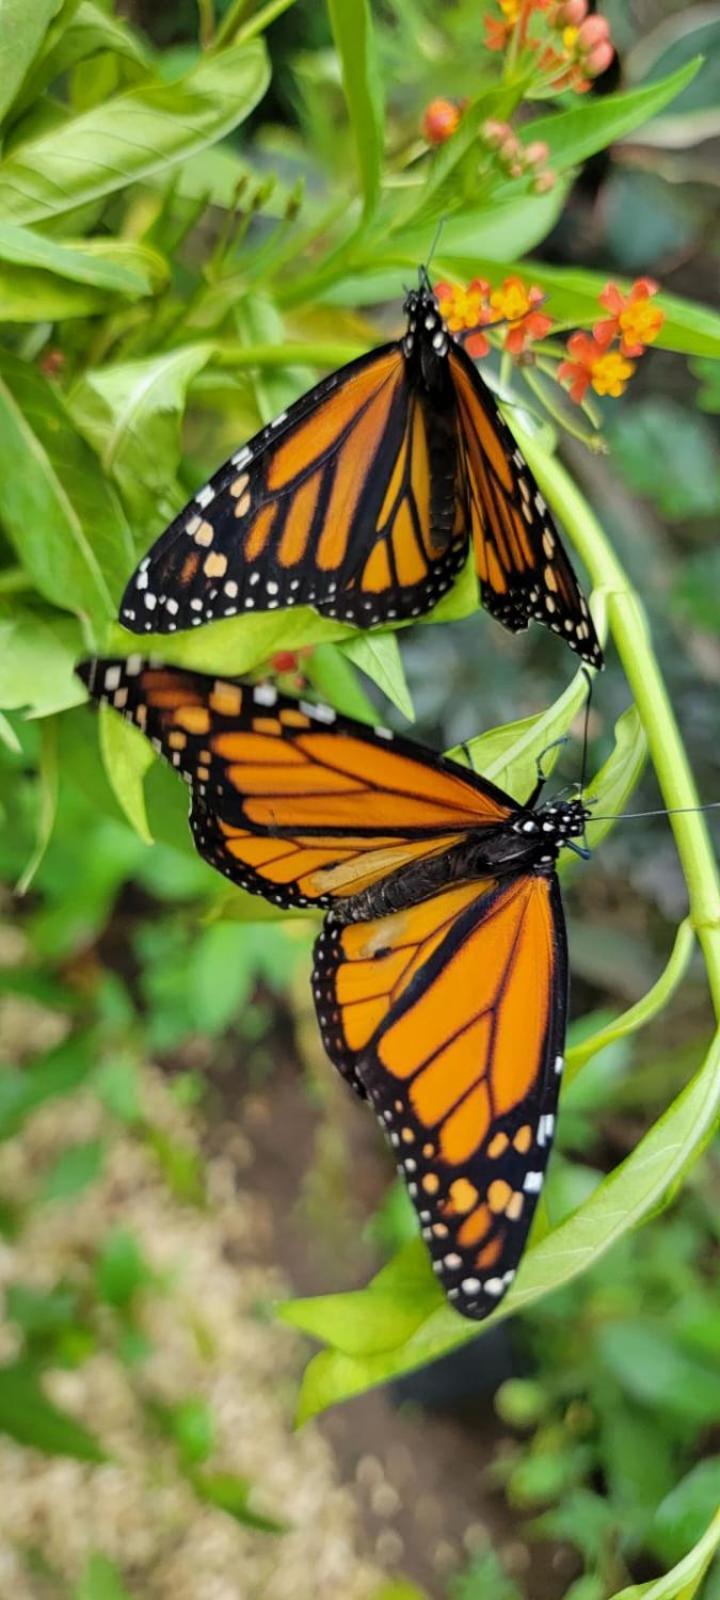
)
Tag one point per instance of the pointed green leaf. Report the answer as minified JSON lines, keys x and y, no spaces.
{"x":26,"y":1415}
{"x":131,"y":136}
{"x":352,"y":26}
{"x":101,"y":1580}
{"x":613,"y":785}
{"x":651,"y":1003}
{"x":127,"y":755}
{"x":62,"y":516}
{"x":131,"y":413}
{"x":22,"y":29}
{"x":378,"y":655}
{"x":508,"y":756}
{"x":574,"y":135}
{"x":684,"y":1582}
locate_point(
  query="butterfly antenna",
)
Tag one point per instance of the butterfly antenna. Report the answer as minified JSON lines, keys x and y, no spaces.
{"x":664,"y":811}
{"x":424,"y":271}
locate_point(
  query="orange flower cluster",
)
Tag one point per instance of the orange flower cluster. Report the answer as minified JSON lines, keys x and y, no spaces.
{"x":514,"y":304}
{"x":634,"y":323}
{"x":603,"y":359}
{"x":570,"y":47}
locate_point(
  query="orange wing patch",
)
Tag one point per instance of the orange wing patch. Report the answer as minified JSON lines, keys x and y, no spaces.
{"x":451,"y":1016}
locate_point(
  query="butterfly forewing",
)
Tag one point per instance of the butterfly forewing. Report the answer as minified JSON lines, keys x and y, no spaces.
{"x":290,"y":800}
{"x":362,"y":499}
{"x":450,"y":1016}
{"x":340,"y":503}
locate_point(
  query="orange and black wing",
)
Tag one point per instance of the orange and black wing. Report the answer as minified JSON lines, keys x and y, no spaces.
{"x":290,"y":800}
{"x":345,"y":502}
{"x":522,"y":566}
{"x":451,"y":1016}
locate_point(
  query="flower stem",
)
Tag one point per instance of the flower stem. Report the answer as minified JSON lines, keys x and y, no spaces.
{"x":628,"y":626}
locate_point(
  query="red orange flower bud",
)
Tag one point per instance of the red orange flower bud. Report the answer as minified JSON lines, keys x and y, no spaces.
{"x":440,"y":119}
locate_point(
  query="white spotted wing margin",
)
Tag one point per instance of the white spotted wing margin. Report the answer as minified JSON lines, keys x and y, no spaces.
{"x":471,"y":1133}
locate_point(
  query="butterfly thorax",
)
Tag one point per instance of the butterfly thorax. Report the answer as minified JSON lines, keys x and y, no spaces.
{"x":426,"y":343}
{"x":529,"y":842}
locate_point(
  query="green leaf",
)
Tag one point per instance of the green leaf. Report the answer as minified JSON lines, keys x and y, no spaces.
{"x":613,"y":785}
{"x":684,"y":1581}
{"x":352,"y":26}
{"x":57,"y":1073}
{"x":685,"y":1512}
{"x":22,"y":29}
{"x":75,"y":1169}
{"x":652,"y":1369}
{"x":37,"y":663}
{"x":131,"y":136}
{"x":336,"y":680}
{"x":131,"y":414}
{"x":508,"y":756}
{"x":193,"y":1429}
{"x":89,"y":32}
{"x":127,"y":755}
{"x":361,"y":1327}
{"x":39,"y":1312}
{"x":117,"y":266}
{"x":234,"y":1495}
{"x":26,"y":1415}
{"x":573,"y":136}
{"x":61,"y":515}
{"x":378,"y":655}
{"x":48,"y":784}
{"x":101,"y":1580}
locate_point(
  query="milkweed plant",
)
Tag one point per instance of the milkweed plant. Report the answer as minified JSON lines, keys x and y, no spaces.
{"x":164,"y":256}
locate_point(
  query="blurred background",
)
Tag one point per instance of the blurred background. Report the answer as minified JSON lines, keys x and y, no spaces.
{"x":175,"y":1152}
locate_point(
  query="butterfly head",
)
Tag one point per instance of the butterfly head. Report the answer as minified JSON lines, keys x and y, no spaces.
{"x":547,"y":828}
{"x":426,"y":332}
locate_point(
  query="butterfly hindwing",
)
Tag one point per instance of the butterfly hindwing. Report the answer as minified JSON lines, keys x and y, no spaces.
{"x":289,"y":799}
{"x":344,"y":502}
{"x":450,"y":1015}
{"x":522,"y":567}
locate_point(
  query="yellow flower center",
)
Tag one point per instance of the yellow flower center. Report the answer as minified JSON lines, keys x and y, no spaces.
{"x":510,"y":10}
{"x":462,"y":308}
{"x":512,"y":302}
{"x":641,"y":322}
{"x":610,"y":373}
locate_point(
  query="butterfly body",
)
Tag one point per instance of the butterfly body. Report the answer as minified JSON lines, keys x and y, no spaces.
{"x":363,"y":500}
{"x":529,"y":843}
{"x":440,"y":975}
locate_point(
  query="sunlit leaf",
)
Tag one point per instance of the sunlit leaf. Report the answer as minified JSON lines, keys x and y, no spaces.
{"x":131,"y":136}
{"x":378,"y":655}
{"x":22,"y":28}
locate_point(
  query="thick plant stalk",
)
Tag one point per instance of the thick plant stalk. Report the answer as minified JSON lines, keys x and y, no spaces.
{"x":630,"y":633}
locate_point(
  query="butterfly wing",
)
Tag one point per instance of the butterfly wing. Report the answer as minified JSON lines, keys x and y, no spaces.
{"x":451,"y":1016}
{"x":344,"y":502}
{"x":523,"y":569}
{"x":290,"y":800}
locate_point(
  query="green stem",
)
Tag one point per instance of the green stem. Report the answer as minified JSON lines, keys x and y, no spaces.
{"x":629,"y":629}
{"x":636,"y":1016}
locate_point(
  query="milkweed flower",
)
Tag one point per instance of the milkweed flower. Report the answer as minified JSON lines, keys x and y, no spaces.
{"x":466,"y":310}
{"x":516,"y":303}
{"x":634,"y":319}
{"x":591,"y":364}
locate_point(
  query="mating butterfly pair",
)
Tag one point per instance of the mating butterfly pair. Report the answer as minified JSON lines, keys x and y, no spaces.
{"x":362,"y":500}
{"x":440,"y":975}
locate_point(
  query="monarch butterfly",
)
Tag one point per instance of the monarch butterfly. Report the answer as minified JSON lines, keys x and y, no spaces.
{"x":361,"y":499}
{"x":440,"y":974}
